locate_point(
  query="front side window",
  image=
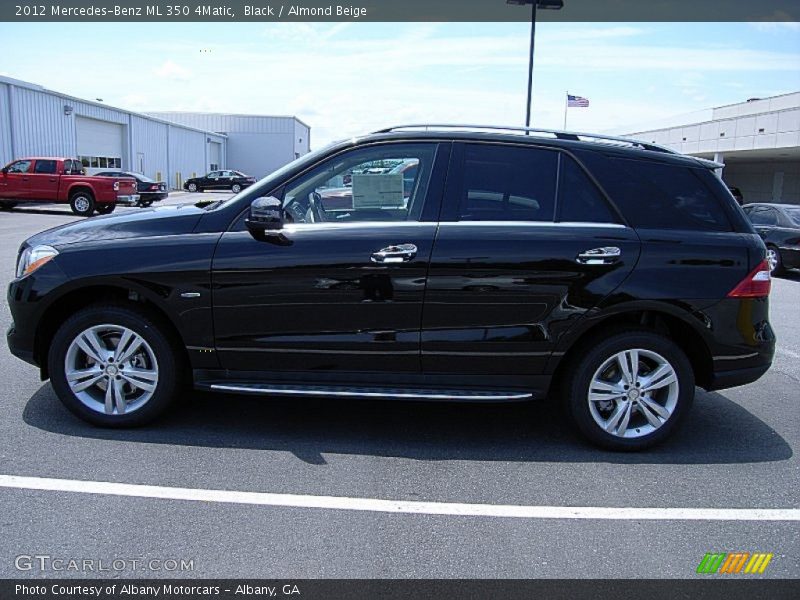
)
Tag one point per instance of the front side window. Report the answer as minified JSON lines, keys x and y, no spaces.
{"x":508,"y":183}
{"x":794,"y":215}
{"x":367,"y":184}
{"x":21,"y":166}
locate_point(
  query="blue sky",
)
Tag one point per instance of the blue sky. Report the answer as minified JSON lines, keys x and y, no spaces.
{"x":348,"y":78}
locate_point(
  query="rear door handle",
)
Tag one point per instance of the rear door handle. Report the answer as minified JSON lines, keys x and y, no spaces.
{"x":395,"y":254}
{"x":600,"y":256}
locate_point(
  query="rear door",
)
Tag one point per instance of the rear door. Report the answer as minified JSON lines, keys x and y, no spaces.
{"x":527,"y":244}
{"x":15,"y":182}
{"x":44,"y":180}
{"x":342,"y":290}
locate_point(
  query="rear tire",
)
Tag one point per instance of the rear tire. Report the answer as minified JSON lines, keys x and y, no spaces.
{"x":102,"y":330}
{"x":236,"y":188}
{"x":82,"y":204}
{"x":775,"y":261}
{"x":192,"y":187}
{"x":7,"y":205}
{"x":105,"y":209}
{"x":619,"y":409}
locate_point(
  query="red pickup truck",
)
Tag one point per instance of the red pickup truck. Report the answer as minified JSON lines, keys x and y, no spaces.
{"x":62,"y":180}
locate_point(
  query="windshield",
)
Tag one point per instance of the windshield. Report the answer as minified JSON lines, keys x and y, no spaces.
{"x":794,"y":215}
{"x":261,"y":187}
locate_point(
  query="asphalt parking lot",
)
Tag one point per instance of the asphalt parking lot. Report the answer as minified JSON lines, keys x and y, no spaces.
{"x":736,"y":451}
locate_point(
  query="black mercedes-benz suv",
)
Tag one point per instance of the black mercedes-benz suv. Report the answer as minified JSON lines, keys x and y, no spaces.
{"x":607,"y":274}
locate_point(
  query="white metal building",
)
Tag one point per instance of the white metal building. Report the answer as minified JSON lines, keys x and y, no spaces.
{"x":758,"y":141}
{"x":35,"y":121}
{"x":257,"y":144}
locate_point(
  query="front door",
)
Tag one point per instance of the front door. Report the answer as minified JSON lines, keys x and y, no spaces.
{"x":527,"y":244}
{"x":342,"y":289}
{"x":15,"y":181}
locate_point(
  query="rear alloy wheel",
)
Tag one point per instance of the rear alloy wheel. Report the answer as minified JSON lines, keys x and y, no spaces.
{"x":631,"y":390}
{"x":111,"y":366}
{"x":236,"y":188}
{"x":192,"y":187}
{"x":774,"y":260}
{"x":82,"y":204}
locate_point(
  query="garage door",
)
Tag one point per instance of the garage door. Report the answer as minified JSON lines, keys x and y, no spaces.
{"x":99,"y":139}
{"x":214,"y":154}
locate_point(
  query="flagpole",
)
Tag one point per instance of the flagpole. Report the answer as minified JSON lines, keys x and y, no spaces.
{"x":566,"y":106}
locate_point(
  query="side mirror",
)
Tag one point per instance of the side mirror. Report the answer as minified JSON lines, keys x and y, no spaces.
{"x":265,"y":218}
{"x":4,"y":170}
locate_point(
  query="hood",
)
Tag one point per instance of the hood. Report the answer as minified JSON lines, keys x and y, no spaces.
{"x":163,"y":220}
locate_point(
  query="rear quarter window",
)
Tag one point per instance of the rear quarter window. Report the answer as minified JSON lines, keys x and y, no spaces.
{"x":655,"y":195}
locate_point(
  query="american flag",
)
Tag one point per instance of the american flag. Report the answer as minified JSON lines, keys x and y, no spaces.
{"x":577,"y":101}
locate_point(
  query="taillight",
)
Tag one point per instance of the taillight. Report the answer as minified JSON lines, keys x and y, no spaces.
{"x":116,"y":186}
{"x":154,"y":186}
{"x":756,"y":285}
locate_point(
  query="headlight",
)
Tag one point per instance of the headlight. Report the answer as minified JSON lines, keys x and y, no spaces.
{"x":33,"y":258}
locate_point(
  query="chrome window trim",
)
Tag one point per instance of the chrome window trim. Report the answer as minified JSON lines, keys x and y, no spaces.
{"x":534,"y":224}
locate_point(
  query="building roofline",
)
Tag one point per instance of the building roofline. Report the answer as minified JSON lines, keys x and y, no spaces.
{"x":227,"y":114}
{"x":40,"y":88}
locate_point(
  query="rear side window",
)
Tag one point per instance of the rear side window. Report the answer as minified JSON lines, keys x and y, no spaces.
{"x":579,"y":200}
{"x":662,"y":196}
{"x":45,"y":166}
{"x":507,"y":183}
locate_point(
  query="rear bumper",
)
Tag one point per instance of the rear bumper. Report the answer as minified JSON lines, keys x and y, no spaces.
{"x":790,"y":257}
{"x":721,"y":380}
{"x":131,"y":199}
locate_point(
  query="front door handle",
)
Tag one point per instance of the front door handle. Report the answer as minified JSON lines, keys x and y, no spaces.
{"x":395,"y":254}
{"x":600,"y":256}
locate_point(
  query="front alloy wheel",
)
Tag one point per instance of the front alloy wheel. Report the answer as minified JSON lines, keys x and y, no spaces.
{"x":629,"y":391}
{"x":113,"y":365}
{"x":774,"y":260}
{"x":111,"y":369}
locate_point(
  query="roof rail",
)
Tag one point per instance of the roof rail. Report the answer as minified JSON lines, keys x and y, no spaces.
{"x":557,"y":133}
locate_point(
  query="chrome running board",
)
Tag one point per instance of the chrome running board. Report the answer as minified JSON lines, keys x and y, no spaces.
{"x":367,"y":392}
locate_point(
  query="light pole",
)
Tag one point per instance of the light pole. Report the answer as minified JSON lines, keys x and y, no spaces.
{"x":544,"y":4}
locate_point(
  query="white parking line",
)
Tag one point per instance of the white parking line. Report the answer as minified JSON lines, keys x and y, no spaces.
{"x":399,"y":506}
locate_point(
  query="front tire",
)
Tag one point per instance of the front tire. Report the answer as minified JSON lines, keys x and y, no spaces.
{"x":629,"y":391}
{"x":82,"y":204}
{"x":113,"y":366}
{"x":7,"y":205}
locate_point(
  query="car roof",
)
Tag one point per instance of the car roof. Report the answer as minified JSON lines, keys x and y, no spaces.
{"x":609,"y":145}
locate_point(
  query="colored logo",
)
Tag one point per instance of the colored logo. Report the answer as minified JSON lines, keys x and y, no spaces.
{"x":734,"y":563}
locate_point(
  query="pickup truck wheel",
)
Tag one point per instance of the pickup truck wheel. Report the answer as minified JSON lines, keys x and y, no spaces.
{"x":236,"y":188}
{"x":105,"y":209}
{"x":112,"y":366}
{"x":7,"y":205}
{"x":192,"y":187}
{"x":82,"y":204}
{"x":630,"y":390}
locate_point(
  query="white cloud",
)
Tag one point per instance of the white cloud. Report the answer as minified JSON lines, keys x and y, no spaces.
{"x":172,"y":70}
